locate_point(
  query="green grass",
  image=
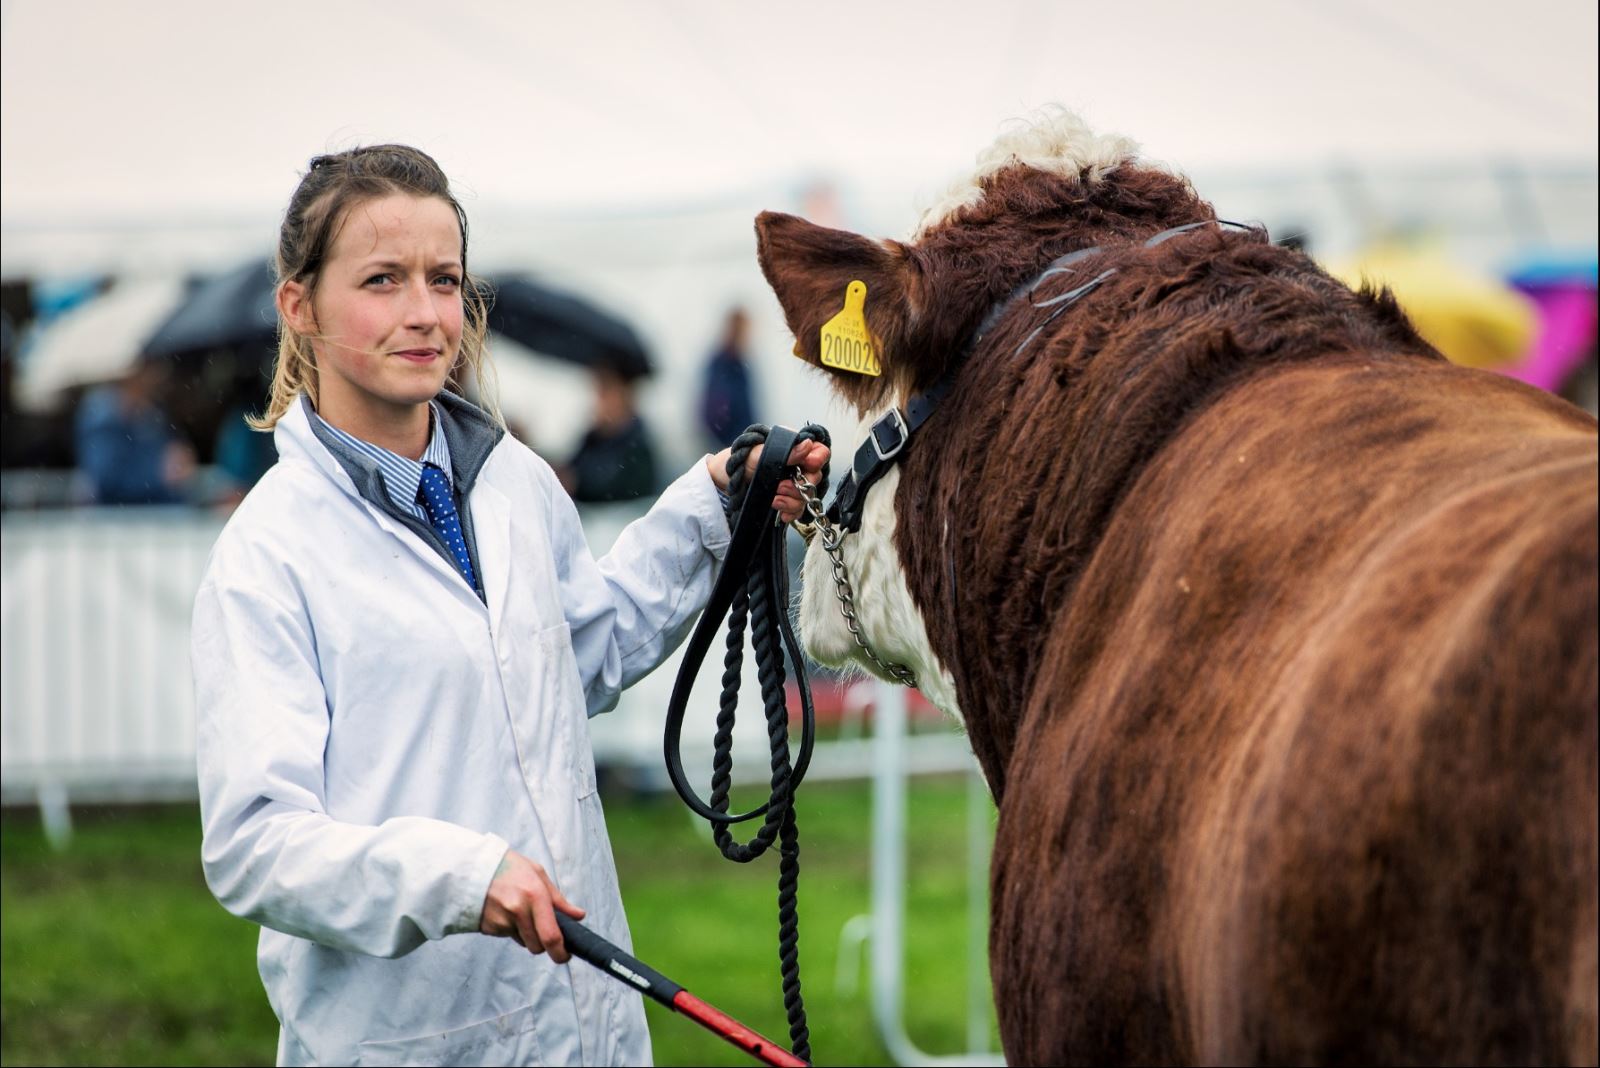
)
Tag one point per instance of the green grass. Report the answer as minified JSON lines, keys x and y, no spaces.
{"x":115,"y":953}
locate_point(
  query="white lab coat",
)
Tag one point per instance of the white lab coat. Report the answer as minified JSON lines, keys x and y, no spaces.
{"x":372,"y":738}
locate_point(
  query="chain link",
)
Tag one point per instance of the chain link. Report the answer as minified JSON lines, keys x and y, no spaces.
{"x":831,"y":539}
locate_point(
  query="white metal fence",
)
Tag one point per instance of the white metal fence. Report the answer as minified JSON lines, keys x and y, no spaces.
{"x":95,"y":693}
{"x":96,"y":704}
{"x":96,"y":698}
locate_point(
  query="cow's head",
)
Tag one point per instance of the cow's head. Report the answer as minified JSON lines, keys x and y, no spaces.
{"x":810,"y":267}
{"x":1037,"y":193}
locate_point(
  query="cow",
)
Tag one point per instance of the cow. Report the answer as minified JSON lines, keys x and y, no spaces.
{"x":1273,"y":632}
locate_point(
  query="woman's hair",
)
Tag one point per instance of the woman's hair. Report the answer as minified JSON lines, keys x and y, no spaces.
{"x":331,"y":187}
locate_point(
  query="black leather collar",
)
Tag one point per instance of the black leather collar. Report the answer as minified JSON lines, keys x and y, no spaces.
{"x":891,"y":433}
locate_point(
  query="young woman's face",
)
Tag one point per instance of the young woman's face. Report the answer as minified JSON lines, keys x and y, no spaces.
{"x":387,"y":311}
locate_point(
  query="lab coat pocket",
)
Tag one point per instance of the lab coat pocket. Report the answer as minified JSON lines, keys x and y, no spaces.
{"x":549,"y":720}
{"x":566,"y":693}
{"x":508,"y":1039}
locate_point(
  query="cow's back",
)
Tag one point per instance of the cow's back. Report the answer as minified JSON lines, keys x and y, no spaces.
{"x":1309,"y":768}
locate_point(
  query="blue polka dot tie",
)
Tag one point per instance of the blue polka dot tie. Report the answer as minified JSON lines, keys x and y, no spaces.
{"x":434,"y":493}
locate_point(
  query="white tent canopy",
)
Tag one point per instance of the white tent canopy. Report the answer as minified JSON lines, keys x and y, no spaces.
{"x":622,"y":149}
{"x":194,"y":110}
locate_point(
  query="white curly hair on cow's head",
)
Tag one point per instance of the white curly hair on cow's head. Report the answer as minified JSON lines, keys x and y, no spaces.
{"x":1055,"y":141}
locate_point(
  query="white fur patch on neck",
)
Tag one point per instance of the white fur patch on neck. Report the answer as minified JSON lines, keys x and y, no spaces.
{"x":887,"y":615}
{"x":1057,"y":142}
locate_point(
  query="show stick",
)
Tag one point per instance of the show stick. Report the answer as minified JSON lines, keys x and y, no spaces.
{"x":588,"y":946}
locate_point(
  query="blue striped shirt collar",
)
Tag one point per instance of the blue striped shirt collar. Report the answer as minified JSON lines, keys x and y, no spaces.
{"x":402,"y":475}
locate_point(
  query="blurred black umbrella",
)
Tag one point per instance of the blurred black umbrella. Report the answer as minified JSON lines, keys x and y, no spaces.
{"x":232,"y":310}
{"x":565,"y":327}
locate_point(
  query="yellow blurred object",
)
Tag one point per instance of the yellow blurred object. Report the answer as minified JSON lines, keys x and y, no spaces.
{"x":1474,"y":320}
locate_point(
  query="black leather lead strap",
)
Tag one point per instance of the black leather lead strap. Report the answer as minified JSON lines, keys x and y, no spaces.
{"x":753,"y":588}
{"x":757,"y":541}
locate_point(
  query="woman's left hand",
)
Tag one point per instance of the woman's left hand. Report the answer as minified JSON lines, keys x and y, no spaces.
{"x":809,"y":456}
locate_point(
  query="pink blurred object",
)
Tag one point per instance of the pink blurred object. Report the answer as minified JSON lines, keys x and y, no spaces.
{"x":1567,"y":319}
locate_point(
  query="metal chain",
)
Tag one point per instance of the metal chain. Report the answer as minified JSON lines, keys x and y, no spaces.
{"x":831,"y":539}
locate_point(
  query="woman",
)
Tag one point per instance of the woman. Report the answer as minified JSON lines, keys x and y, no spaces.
{"x":396,"y":645}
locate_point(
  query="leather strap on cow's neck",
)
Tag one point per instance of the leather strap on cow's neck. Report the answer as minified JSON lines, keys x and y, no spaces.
{"x":890,"y":434}
{"x":886,"y":439}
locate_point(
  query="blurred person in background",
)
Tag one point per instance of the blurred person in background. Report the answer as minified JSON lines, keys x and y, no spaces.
{"x":242,"y":454}
{"x":726,"y":404}
{"x":126,"y":445}
{"x":32,"y":444}
{"x":398,"y":641}
{"x":616,"y":460}
{"x":14,"y":450}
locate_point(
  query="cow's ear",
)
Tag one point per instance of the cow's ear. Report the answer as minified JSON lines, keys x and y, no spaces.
{"x":809,"y":267}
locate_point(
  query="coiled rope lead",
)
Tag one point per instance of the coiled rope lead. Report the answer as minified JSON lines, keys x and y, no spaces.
{"x":752,"y":591}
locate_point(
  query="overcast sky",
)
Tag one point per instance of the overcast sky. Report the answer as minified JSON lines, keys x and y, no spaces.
{"x":119,"y":110}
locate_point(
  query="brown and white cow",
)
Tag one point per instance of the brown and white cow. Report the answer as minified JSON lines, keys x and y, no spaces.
{"x":1274,"y":633}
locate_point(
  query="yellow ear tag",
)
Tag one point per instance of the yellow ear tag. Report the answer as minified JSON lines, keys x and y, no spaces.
{"x":846,"y":342}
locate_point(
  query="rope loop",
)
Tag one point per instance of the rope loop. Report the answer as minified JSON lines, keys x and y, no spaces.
{"x":753,"y":592}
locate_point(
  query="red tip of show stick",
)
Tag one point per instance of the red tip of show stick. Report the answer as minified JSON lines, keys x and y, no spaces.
{"x":720,"y":1023}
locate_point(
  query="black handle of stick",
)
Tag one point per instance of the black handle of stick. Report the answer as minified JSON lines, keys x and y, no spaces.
{"x":588,"y":946}
{"x":624,"y":967}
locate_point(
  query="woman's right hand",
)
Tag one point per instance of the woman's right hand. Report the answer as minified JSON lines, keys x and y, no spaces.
{"x":521,"y":904}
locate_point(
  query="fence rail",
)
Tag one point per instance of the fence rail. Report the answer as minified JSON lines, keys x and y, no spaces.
{"x":96,"y":697}
{"x":95,"y":693}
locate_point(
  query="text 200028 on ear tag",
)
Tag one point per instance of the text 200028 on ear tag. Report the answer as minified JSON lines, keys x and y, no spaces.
{"x":846,"y":342}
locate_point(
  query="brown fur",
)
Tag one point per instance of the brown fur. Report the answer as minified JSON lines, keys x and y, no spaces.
{"x":1274,"y":633}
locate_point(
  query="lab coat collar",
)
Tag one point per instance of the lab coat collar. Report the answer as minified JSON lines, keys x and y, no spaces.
{"x":471,"y":434}
{"x":296,"y":439}
{"x":491,"y":523}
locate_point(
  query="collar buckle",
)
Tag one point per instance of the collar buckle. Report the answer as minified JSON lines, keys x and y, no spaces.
{"x":889,"y":434}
